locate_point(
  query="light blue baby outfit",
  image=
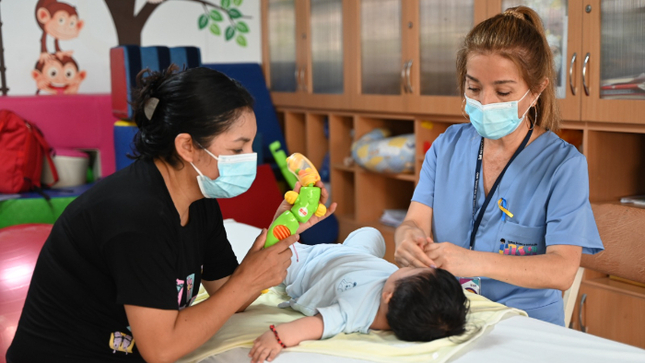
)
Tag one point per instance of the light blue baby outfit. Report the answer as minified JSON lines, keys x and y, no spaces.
{"x":342,"y":282}
{"x":546,"y":188}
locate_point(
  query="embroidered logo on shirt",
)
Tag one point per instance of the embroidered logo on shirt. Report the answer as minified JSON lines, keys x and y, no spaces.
{"x":516,"y":248}
{"x":345,"y":285}
{"x":121,"y":342}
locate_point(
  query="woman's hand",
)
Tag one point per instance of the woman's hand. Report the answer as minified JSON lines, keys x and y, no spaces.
{"x":457,"y":260}
{"x":324,"y":195}
{"x":265,"y":347}
{"x":265,"y":267}
{"x":410,"y":251}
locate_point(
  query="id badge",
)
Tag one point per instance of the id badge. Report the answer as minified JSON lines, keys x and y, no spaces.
{"x":471,"y":284}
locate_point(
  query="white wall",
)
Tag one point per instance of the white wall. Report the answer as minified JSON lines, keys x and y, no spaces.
{"x":173,"y":23}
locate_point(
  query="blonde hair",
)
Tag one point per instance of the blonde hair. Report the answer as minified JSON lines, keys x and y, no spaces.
{"x":518,"y":35}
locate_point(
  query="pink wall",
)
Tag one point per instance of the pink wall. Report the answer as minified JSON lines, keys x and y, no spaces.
{"x":71,"y":122}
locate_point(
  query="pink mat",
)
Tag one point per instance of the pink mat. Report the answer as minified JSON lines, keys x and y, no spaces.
{"x":71,"y":122}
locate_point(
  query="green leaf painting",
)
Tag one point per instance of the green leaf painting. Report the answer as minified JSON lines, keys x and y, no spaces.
{"x":242,"y":27}
{"x":215,"y":29}
{"x":216,"y":15}
{"x":230,"y":32}
{"x":241,"y":40}
{"x":202,"y":21}
{"x":228,"y":11}
{"x":234,"y":14}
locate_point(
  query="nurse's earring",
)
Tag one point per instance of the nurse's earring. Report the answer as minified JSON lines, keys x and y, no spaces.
{"x":534,"y":120}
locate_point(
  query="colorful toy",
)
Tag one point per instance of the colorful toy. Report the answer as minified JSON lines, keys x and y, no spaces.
{"x":280,"y":159}
{"x":305,"y":204}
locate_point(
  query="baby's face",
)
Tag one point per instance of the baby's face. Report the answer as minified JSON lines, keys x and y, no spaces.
{"x":401,"y":273}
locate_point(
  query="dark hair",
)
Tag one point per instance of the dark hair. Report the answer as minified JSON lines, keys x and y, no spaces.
{"x":201,"y":102}
{"x":428,"y":306}
{"x":518,"y":35}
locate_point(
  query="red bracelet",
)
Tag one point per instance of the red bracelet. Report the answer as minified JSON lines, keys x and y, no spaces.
{"x":275,"y":332}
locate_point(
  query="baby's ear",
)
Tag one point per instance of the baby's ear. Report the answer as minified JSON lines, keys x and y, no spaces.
{"x":386,"y":296}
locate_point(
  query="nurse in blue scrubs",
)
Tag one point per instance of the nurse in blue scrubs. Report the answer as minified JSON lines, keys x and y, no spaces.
{"x":502,"y":200}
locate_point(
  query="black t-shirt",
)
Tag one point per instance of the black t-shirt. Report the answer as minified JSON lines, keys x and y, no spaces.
{"x":119,"y":243}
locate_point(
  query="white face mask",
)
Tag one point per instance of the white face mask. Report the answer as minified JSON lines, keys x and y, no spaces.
{"x":236,"y":174}
{"x":495,"y":120}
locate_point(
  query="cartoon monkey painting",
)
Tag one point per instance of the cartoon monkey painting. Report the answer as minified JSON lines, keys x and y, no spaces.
{"x":58,"y":75}
{"x":60,"y":21}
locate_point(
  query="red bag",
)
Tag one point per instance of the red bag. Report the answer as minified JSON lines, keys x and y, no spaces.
{"x":22,"y":149}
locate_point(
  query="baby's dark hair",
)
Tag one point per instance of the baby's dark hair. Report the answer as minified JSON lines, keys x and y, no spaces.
{"x":201,"y":102}
{"x":427,"y":306}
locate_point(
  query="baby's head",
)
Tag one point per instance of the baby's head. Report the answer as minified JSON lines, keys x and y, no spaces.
{"x":424,"y":304}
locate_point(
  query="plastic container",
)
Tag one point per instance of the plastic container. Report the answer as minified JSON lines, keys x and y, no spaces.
{"x":71,"y":166}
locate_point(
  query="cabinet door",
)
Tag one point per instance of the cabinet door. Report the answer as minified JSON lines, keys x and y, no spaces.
{"x":281,"y":52}
{"x":613,"y":70}
{"x":326,"y":44}
{"x":441,"y":27}
{"x":378,"y":60}
{"x":562,"y":20}
{"x":612,"y":311}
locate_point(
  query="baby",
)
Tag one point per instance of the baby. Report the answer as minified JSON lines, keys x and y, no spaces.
{"x":350,"y":288}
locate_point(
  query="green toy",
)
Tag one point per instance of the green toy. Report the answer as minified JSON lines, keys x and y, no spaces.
{"x":305,"y":204}
{"x":281,"y":159}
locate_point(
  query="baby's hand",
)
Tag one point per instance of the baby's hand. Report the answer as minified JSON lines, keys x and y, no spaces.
{"x":265,"y":347}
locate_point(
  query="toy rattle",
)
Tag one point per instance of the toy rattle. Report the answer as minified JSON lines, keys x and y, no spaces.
{"x":305,"y":204}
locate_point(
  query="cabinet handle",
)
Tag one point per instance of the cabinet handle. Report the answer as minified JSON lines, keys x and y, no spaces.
{"x":407,"y":76}
{"x":582,"y":302}
{"x":403,"y":85}
{"x":302,"y":79}
{"x":295,"y":74}
{"x":573,"y":61}
{"x":584,"y":74}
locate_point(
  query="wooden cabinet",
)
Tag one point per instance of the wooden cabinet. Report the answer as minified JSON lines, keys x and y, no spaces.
{"x":398,"y":60}
{"x":406,"y":51}
{"x":304,"y":52}
{"x":611,"y":309}
{"x":598,"y":47}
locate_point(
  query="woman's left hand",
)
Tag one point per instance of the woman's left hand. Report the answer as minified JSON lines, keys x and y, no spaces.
{"x":457,"y":260}
{"x":324,"y":195}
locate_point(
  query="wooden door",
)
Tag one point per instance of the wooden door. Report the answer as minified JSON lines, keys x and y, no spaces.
{"x":438,"y":32}
{"x":613,"y":63}
{"x":612,"y":310}
{"x":562,"y":20}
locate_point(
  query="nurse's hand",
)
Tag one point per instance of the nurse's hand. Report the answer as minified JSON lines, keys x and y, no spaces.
{"x":457,"y":260}
{"x":411,"y":250}
{"x":324,"y":195}
{"x":265,"y":267}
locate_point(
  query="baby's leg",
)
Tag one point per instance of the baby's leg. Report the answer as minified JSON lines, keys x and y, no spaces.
{"x":368,"y":239}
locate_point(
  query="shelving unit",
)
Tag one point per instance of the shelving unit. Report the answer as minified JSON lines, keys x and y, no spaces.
{"x":599,"y":41}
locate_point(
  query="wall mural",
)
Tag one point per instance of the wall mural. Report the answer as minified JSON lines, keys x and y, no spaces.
{"x":57,"y":72}
{"x":74,"y":36}
{"x":130,"y":24}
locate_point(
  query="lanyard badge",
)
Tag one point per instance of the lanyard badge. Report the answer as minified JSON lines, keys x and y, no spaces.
{"x":472,"y":284}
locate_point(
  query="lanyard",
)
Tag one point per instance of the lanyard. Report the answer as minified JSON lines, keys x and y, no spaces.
{"x":492,"y":190}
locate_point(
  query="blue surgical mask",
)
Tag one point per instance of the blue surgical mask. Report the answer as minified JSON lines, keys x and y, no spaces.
{"x":494,"y":120}
{"x":236,"y":174}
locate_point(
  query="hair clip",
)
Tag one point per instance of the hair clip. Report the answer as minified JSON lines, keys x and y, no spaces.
{"x":150,"y":107}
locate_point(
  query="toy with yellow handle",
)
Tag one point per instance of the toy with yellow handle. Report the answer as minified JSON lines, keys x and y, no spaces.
{"x":305,"y":203}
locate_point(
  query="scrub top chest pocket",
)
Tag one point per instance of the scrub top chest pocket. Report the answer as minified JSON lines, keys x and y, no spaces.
{"x":518,"y":240}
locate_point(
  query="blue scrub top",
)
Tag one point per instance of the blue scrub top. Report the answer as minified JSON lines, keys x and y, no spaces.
{"x":546,"y":188}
